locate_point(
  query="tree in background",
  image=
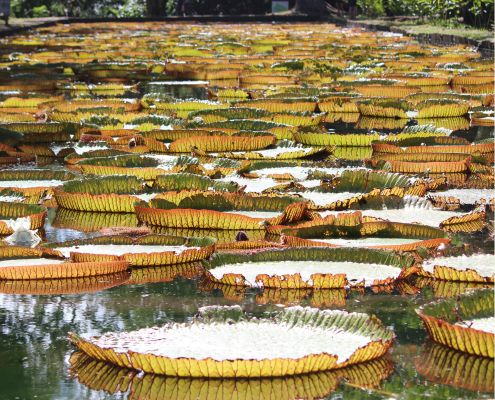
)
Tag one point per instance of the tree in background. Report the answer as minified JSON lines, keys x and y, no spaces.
{"x":473,"y":12}
{"x":134,"y":8}
{"x":228,"y":7}
{"x":155,"y":8}
{"x":78,"y":8}
{"x":312,"y":7}
{"x":477,"y":13}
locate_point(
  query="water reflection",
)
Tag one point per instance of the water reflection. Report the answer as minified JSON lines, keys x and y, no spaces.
{"x":102,"y":376}
{"x":90,"y":284}
{"x":446,"y":366}
{"x":198,"y":92}
{"x":33,"y":328}
{"x":56,"y":231}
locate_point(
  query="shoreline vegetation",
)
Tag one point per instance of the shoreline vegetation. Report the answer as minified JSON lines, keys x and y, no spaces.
{"x":425,"y":27}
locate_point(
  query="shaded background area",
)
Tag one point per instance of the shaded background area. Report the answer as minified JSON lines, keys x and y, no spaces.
{"x":477,"y":13}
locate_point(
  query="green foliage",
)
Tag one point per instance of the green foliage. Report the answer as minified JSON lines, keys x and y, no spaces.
{"x":442,"y":12}
{"x":228,"y":7}
{"x":398,"y":7}
{"x":131,"y":8}
{"x":170,"y":7}
{"x":83,"y":8}
{"x":371,"y":8}
{"x":40,"y":11}
{"x":37,"y":8}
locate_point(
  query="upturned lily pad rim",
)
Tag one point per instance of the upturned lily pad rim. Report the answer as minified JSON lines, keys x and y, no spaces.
{"x":196,"y":249}
{"x":318,"y":281}
{"x":64,"y":270}
{"x":35,"y":175}
{"x":353,"y":224}
{"x":381,"y":256}
{"x":13,"y":211}
{"x":440,"y":320}
{"x":149,"y":239}
{"x":77,"y":186}
{"x":444,"y":272}
{"x":21,"y":209}
{"x":122,"y":161}
{"x":235,"y":201}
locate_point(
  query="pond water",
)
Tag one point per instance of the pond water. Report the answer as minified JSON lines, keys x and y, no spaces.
{"x":35,"y":352}
{"x":37,"y":360}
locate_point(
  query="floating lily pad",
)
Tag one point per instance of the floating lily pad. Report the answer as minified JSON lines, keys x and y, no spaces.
{"x":148,"y":250}
{"x":10,"y":212}
{"x":333,"y":338}
{"x":473,"y":268}
{"x":304,"y":268}
{"x":465,"y":323}
{"x":29,"y":267}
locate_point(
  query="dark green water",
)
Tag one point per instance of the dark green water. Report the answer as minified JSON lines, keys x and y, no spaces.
{"x":34,"y":351}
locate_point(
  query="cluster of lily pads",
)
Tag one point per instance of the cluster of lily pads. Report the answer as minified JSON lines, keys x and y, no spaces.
{"x":256,"y":181}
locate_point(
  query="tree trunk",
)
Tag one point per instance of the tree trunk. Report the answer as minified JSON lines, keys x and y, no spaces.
{"x":155,"y":8}
{"x":312,"y":7}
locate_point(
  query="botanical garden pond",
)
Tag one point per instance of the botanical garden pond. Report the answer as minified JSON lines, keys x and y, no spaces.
{"x":315,"y":201}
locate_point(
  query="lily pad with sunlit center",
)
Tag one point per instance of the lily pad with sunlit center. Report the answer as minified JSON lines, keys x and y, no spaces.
{"x":225,"y":342}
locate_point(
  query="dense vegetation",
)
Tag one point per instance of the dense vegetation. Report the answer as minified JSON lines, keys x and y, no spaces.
{"x":133,"y":8}
{"x":472,"y":12}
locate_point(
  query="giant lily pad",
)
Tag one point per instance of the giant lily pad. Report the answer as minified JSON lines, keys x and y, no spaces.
{"x":30,"y":264}
{"x":304,"y":268}
{"x":143,"y":251}
{"x":104,"y":194}
{"x":314,"y":341}
{"x":220,"y":210}
{"x":465,"y":323}
{"x":473,"y":268}
{"x":145,"y":167}
{"x":92,"y":221}
{"x":10,"y":212}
